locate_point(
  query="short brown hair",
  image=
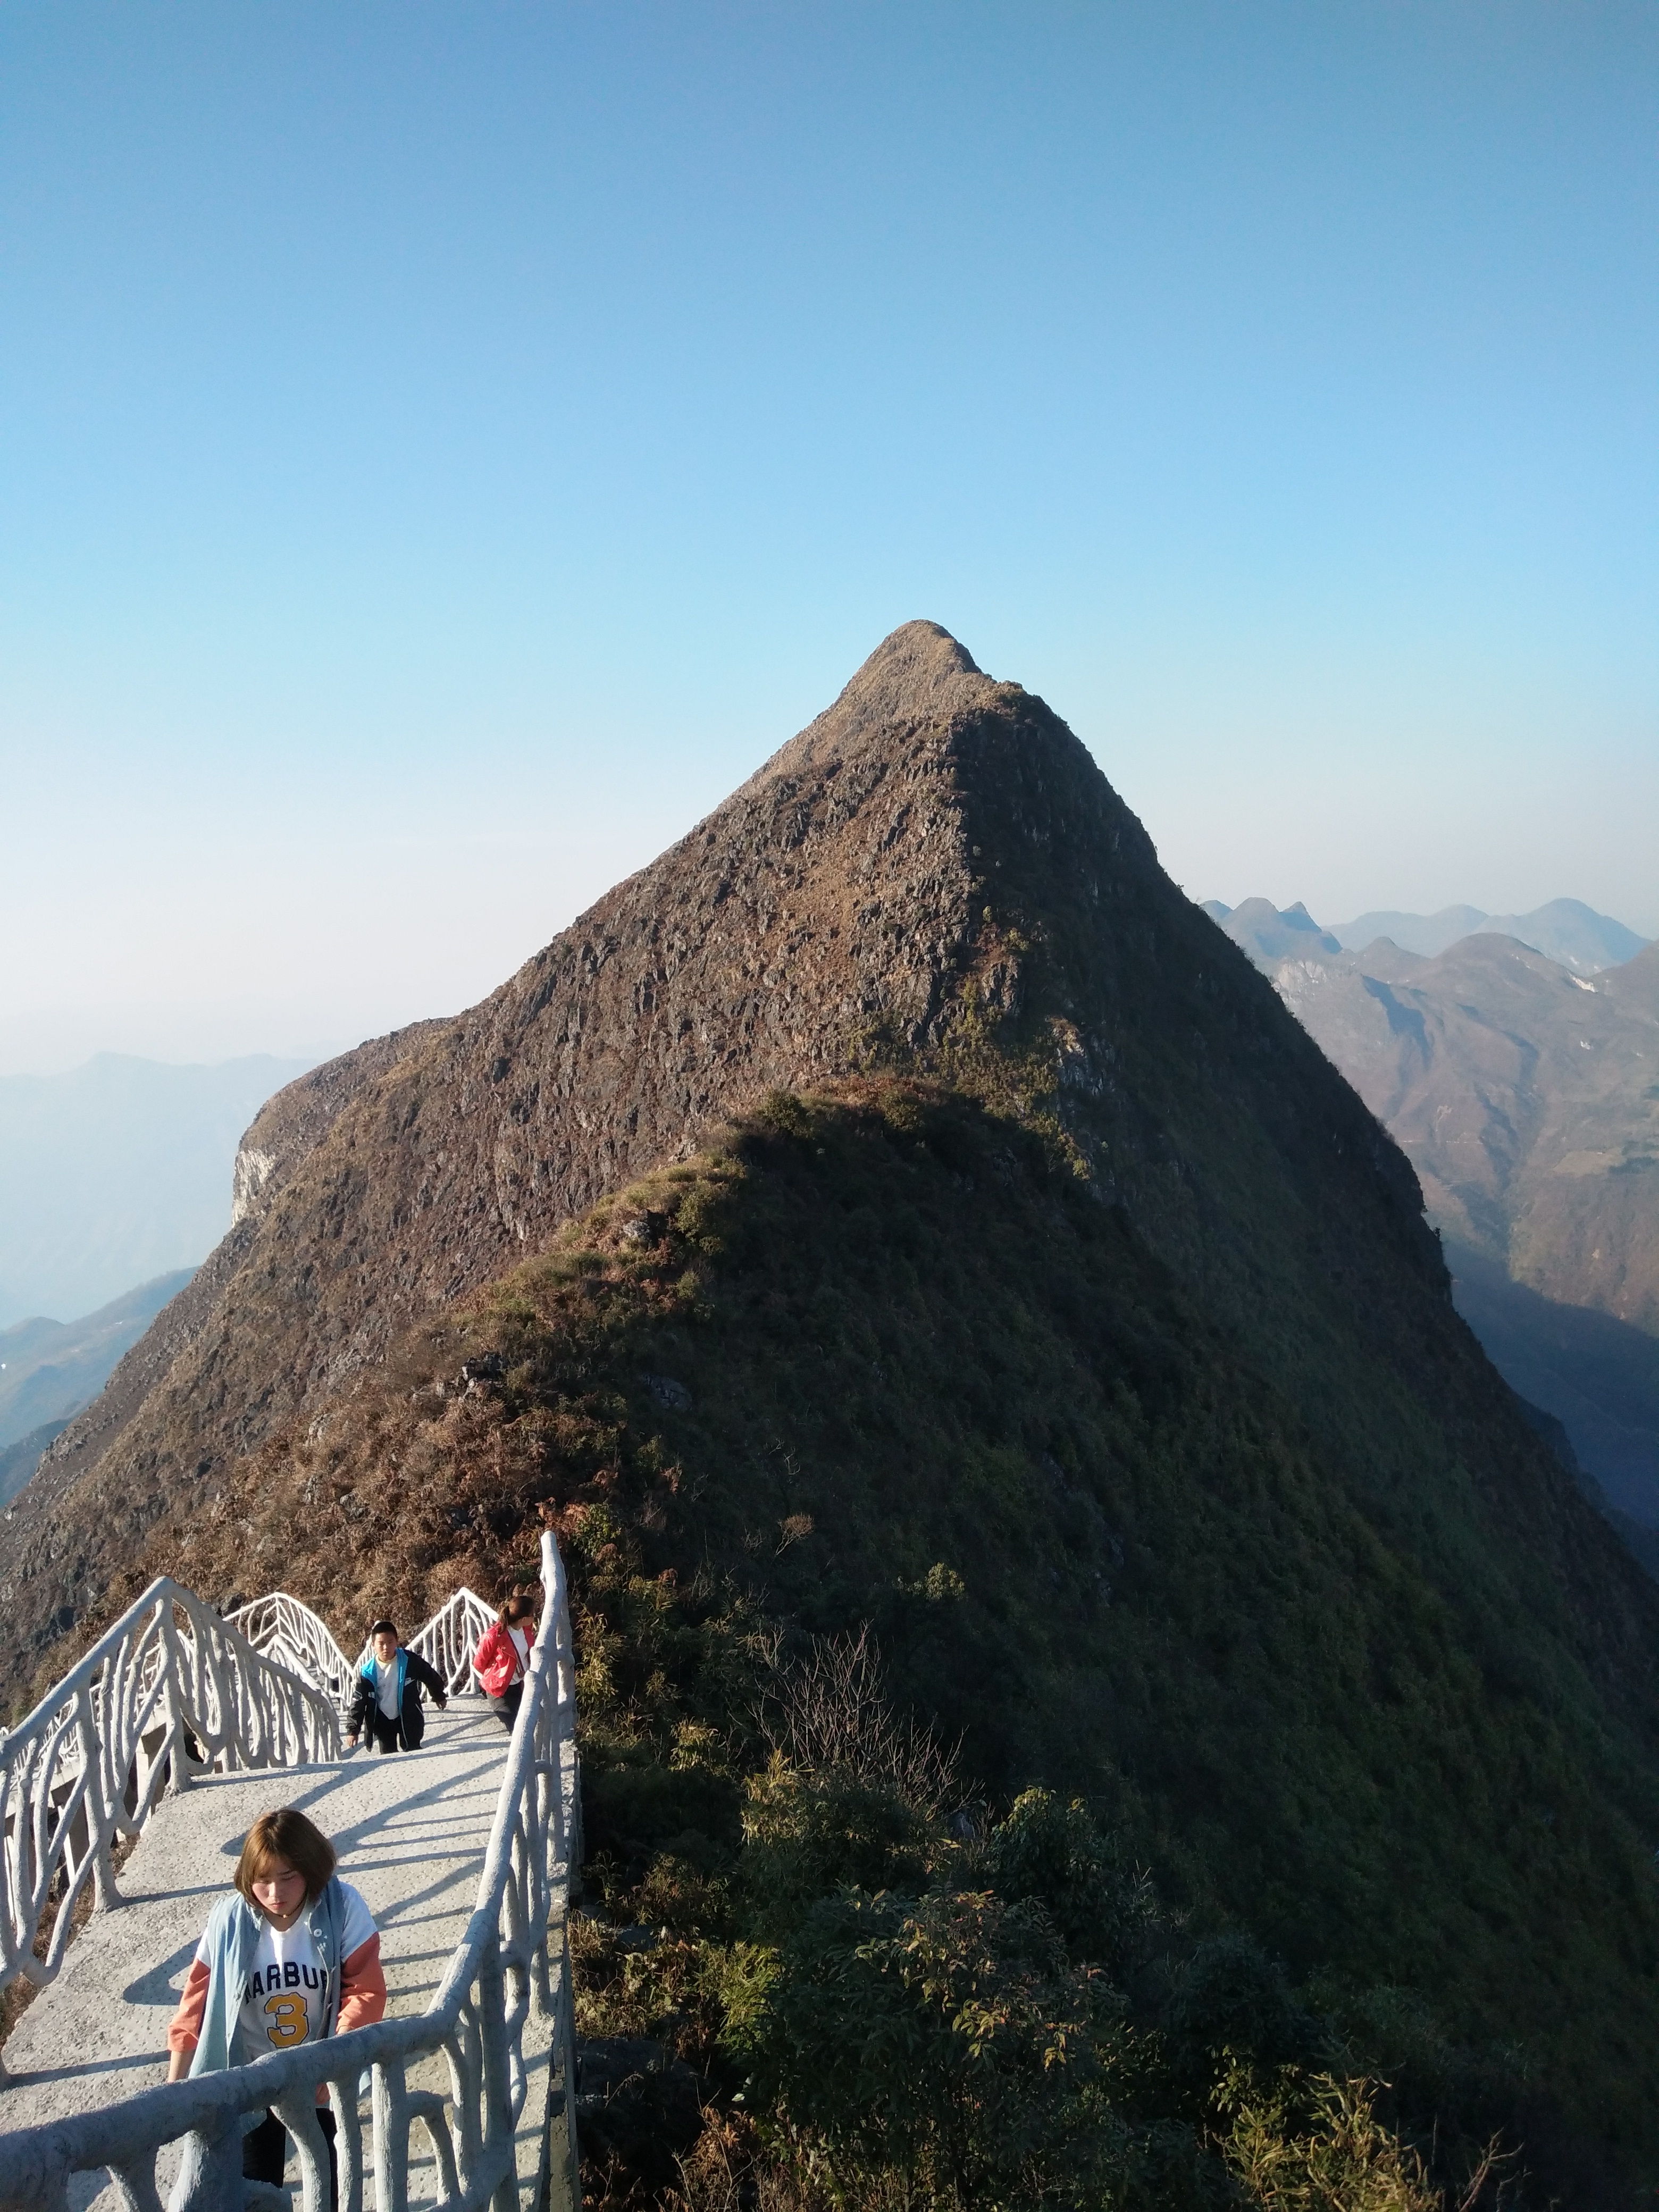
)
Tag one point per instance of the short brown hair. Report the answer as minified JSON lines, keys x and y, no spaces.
{"x":518,"y":1605}
{"x":286,"y":1835}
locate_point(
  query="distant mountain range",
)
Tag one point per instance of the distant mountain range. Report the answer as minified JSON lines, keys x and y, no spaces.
{"x":1565,"y":931}
{"x":1527,"y":1096}
{"x":50,"y":1369}
{"x":1269,"y":936}
{"x":117,"y":1173}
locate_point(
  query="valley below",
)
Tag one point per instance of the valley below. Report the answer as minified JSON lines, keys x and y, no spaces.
{"x":1525,"y":1096}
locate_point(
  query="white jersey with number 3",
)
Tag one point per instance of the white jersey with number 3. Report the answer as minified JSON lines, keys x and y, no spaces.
{"x":285,"y":2003}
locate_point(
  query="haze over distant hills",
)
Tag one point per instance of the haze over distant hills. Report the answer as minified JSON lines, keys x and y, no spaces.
{"x":117,"y":1173}
{"x":1564,"y":929}
{"x":50,"y":1369}
{"x":1266,"y":935}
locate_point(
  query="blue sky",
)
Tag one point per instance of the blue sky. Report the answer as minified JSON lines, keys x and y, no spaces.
{"x":443,"y":450}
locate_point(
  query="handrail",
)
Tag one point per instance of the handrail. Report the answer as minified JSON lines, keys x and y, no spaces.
{"x":168,"y":1691}
{"x":290,"y":1633}
{"x":449,"y":1641}
{"x":294,"y":1636}
{"x":514,"y":1962}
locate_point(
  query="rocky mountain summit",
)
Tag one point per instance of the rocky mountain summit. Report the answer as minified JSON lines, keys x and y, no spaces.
{"x":936,"y":858}
{"x":899,"y":1203}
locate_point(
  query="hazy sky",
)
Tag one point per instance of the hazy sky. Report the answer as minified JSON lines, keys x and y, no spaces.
{"x":443,"y":449}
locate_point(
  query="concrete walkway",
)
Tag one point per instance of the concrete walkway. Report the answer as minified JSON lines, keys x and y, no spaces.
{"x":410,"y":1831}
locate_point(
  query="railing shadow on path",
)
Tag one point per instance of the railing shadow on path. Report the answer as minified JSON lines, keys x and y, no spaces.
{"x":171,"y":1692}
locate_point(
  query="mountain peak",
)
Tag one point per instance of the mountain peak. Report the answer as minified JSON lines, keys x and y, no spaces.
{"x":1270,"y":933}
{"x":919,"y":673}
{"x":934,"y":868}
{"x":912,"y":666}
{"x":1068,"y":1238}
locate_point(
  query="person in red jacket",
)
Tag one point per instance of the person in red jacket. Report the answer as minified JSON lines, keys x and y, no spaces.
{"x":503,"y":1656}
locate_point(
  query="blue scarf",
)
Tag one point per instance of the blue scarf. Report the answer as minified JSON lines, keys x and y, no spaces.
{"x":371,"y":1674}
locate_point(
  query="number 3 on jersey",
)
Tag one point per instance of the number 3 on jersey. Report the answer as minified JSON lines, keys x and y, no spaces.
{"x":286,"y":2018}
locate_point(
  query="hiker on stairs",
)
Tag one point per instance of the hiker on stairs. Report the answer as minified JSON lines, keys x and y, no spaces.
{"x":291,"y":1955}
{"x":388,"y":1700}
{"x":503,"y":1656}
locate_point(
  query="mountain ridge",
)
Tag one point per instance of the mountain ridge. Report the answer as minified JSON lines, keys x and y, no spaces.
{"x":1527,"y":1097}
{"x":934,"y":859}
{"x":1565,"y":931}
{"x":916,"y":996}
{"x":822,"y":811}
{"x":1524,"y":1095}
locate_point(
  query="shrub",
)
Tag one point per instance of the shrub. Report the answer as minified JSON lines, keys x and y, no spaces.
{"x":807,"y":1835}
{"x":1103,"y":1906}
{"x":1332,"y":2155}
{"x":828,"y":1710}
{"x":948,"y":2039}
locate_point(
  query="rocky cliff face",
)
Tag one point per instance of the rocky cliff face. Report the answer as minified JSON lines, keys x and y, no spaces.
{"x":934,"y":873}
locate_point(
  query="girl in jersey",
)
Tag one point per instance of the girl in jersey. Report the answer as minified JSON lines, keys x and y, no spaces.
{"x":503,"y":1657}
{"x":291,"y":1955}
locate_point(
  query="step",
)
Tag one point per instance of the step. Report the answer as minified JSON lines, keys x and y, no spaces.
{"x":411,"y":1831}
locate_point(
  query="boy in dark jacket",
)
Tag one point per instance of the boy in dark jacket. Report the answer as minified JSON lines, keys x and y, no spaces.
{"x":387,"y":1701}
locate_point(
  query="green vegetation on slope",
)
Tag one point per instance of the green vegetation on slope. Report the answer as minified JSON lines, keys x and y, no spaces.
{"x":883,"y":1358}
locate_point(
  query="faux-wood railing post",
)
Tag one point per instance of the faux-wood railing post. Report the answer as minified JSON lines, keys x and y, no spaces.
{"x":210,"y":2172}
{"x":391,"y":2138}
{"x":173,"y":1701}
{"x":298,"y":2114}
{"x":497,"y":2082}
{"x":348,"y":2142}
{"x":564,"y":2186}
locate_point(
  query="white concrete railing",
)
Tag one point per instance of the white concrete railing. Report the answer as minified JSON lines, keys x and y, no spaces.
{"x":168,"y":1691}
{"x":294,"y":1636}
{"x":450,"y":1639}
{"x":514,"y":1960}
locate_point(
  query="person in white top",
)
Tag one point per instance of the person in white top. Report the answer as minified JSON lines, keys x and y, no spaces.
{"x":385,"y":1705}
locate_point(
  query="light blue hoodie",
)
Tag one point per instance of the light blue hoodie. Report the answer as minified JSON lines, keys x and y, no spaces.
{"x":233,"y":1930}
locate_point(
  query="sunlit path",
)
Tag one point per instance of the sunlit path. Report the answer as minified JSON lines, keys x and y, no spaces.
{"x":445,"y":1844}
